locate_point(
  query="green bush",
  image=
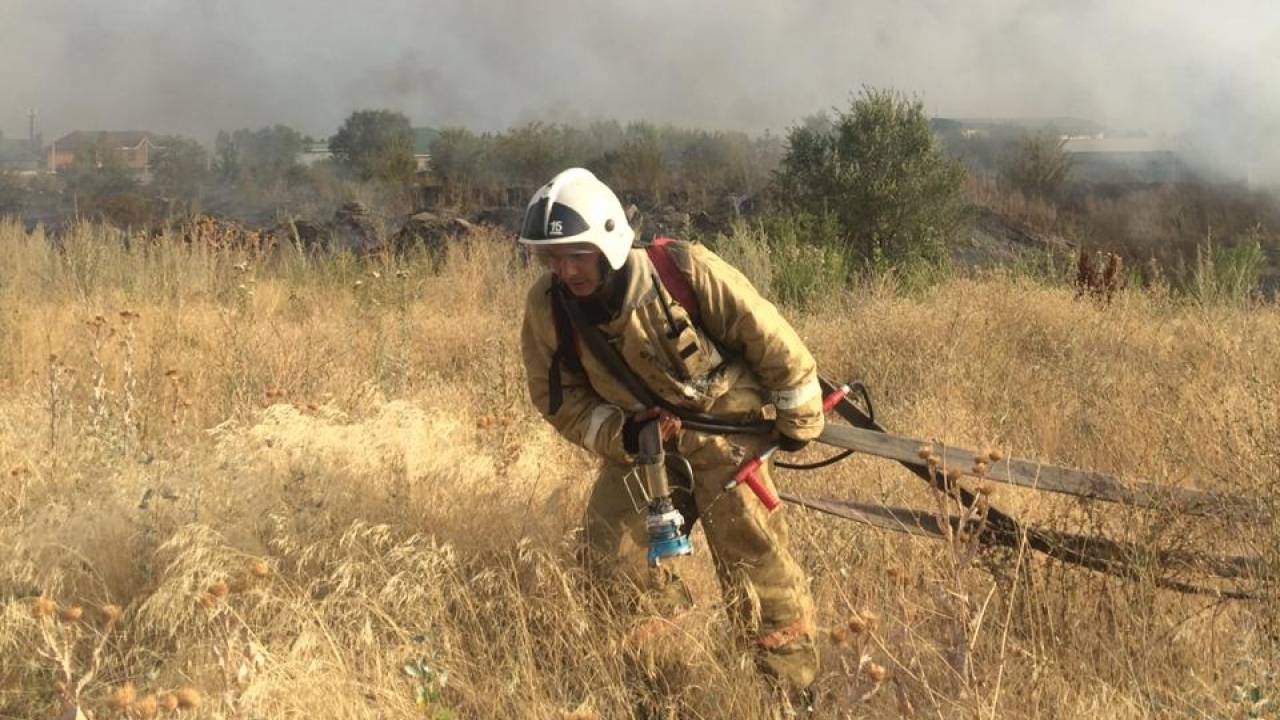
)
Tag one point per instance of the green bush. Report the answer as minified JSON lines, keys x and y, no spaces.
{"x":457,"y":159}
{"x":1038,"y":166}
{"x":746,"y":248}
{"x":267,"y":155}
{"x":790,"y":259}
{"x":179,"y":167}
{"x":375,"y":145}
{"x":878,"y":170}
{"x":646,"y":164}
{"x":1227,"y":275}
{"x":805,"y":274}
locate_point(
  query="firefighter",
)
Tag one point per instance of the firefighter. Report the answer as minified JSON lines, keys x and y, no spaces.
{"x":733,"y":357}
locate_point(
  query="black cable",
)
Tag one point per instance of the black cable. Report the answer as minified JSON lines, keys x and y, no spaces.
{"x":673,"y":330}
{"x":718,"y":427}
{"x":866,"y":399}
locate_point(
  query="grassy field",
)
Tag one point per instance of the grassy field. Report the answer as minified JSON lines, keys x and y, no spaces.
{"x":305,"y":488}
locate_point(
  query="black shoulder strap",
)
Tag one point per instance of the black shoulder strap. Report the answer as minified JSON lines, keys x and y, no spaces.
{"x":618,"y":368}
{"x":571,"y":325}
{"x":566,"y":353}
{"x":607,"y":353}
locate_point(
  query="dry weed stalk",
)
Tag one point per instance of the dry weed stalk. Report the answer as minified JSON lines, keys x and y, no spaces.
{"x":237,"y":653}
{"x":962,"y":524}
{"x":65,"y":632}
{"x":1099,"y":275}
{"x":858,"y":635}
{"x":130,"y":416}
{"x":100,"y":331}
{"x":58,"y":375}
{"x":179,"y":403}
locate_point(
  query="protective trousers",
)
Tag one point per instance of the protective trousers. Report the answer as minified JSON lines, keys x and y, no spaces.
{"x":765,"y":590}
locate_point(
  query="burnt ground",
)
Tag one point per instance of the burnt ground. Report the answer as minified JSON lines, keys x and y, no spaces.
{"x":993,"y":240}
{"x":989,"y":240}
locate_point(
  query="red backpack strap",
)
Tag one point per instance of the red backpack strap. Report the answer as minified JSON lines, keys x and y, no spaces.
{"x":675,"y":281}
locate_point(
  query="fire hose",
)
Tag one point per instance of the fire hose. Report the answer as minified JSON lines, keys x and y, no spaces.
{"x":864,"y":434}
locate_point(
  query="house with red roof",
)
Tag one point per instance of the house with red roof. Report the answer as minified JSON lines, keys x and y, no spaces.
{"x":129,"y":149}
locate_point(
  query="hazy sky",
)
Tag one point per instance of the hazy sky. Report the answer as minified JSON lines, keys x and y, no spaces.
{"x":197,"y":66}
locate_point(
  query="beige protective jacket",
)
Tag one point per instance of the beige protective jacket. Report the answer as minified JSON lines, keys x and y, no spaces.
{"x":766,"y":363}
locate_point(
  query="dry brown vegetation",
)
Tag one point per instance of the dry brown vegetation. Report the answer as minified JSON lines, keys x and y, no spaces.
{"x":1161,"y":232}
{"x":298,"y":487}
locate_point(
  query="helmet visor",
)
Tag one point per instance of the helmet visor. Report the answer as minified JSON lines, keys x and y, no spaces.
{"x":554,"y":257}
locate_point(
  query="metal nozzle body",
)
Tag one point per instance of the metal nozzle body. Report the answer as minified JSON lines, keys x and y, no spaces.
{"x":664,"y":523}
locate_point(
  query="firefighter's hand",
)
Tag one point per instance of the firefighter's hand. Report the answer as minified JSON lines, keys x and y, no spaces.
{"x":668,"y":424}
{"x":668,"y":427}
{"x":789,"y":444}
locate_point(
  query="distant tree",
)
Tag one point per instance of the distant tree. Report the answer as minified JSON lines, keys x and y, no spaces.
{"x":88,"y":181}
{"x":226,"y":157}
{"x":818,"y":124}
{"x":705,"y":166}
{"x":1038,"y":165}
{"x":530,"y":154}
{"x":179,"y":166}
{"x":266,"y":155}
{"x":715,"y":165}
{"x":375,"y":145}
{"x":271,"y":153}
{"x":879,"y":171}
{"x":108,"y":192}
{"x":599,"y":137}
{"x":457,"y":159}
{"x":639,"y":169}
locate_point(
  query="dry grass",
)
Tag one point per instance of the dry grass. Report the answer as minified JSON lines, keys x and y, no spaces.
{"x":1033,"y":212}
{"x":297,"y":476}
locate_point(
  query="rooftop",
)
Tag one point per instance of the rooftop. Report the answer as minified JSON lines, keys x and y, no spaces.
{"x":76,"y":140}
{"x":1120,"y":145}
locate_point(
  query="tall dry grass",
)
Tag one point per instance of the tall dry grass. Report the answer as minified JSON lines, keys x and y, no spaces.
{"x":314,"y":487}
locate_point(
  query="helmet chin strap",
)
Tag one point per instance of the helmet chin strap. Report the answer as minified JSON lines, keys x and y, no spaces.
{"x":606,"y":271}
{"x":613,"y":285}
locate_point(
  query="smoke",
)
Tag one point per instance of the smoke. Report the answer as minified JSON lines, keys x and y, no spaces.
{"x":1204,"y":70}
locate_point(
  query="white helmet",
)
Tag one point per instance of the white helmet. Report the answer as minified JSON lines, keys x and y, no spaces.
{"x":575,"y":207}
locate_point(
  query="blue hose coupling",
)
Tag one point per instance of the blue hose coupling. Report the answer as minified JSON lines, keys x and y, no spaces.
{"x":666,"y":536}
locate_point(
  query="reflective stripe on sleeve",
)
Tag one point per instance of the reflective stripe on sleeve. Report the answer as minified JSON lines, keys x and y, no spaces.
{"x":598,"y":416}
{"x":792,"y":398}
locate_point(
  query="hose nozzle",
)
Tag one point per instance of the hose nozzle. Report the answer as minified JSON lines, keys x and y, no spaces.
{"x":664,"y":523}
{"x":666,"y":532}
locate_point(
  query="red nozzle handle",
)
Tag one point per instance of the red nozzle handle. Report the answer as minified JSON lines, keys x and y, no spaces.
{"x":747,"y":476}
{"x":834,"y":398}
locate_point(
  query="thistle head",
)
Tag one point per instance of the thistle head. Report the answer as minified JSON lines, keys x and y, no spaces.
{"x":876,"y":672}
{"x":43,"y":608}
{"x":188,"y":698}
{"x":110,"y":614}
{"x":260,"y":569}
{"x":123,"y":697}
{"x":71,"y":614}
